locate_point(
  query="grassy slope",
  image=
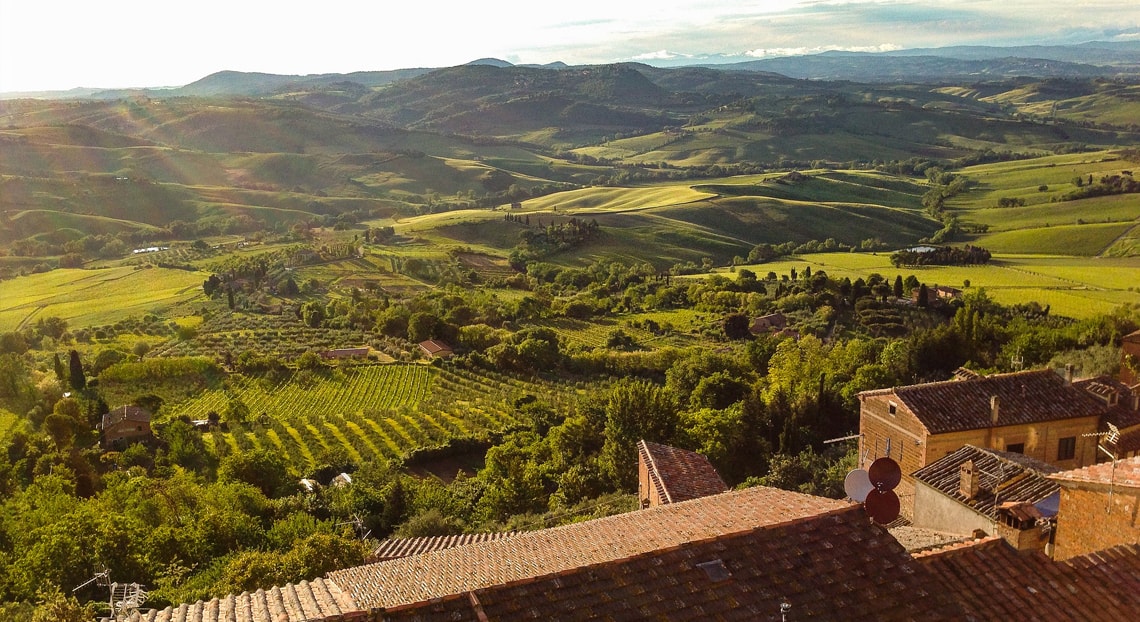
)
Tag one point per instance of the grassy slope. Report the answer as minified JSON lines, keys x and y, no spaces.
{"x":93,"y":297}
{"x":1086,"y":227}
{"x":1074,"y":286}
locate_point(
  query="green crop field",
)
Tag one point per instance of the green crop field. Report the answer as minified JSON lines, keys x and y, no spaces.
{"x":591,"y":200}
{"x":1077,"y":287}
{"x":368,"y":412}
{"x":1081,"y":240}
{"x":92,"y":297}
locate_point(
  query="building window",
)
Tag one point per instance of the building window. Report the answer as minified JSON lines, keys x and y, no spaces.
{"x":1067,"y":448}
{"x":1015,"y":448}
{"x":891,"y":407}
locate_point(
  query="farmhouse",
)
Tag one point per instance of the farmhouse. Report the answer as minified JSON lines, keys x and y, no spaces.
{"x":1037,"y":413}
{"x":669,"y":475}
{"x":434,"y":348}
{"x":124,"y":425}
{"x":771,"y":323}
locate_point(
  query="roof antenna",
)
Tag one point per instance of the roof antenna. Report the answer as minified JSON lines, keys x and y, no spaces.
{"x":358,"y":527}
{"x":125,"y":598}
{"x":1017,"y":361}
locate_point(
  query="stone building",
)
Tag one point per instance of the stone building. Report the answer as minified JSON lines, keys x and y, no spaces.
{"x":1100,"y":508}
{"x":1037,"y":413}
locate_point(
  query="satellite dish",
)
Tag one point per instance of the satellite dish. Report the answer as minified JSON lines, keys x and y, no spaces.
{"x":882,"y":506}
{"x":885,"y":474}
{"x":857,"y":485}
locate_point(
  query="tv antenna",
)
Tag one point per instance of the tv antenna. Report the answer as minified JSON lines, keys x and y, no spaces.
{"x":125,"y":598}
{"x":1017,"y":361}
{"x":358,"y":527}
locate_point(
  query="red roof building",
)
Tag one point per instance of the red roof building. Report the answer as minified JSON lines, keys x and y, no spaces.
{"x":434,"y":348}
{"x":1037,"y":413}
{"x":668,"y":475}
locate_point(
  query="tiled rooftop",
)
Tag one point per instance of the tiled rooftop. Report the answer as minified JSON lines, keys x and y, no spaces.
{"x":319,"y":599}
{"x":993,"y":581}
{"x":679,"y":474}
{"x":394,"y":548}
{"x":126,"y":413}
{"x":550,"y":551}
{"x":1126,"y":474}
{"x":1023,"y":397}
{"x":1121,"y":414}
{"x":832,"y":566}
{"x":1023,"y":478}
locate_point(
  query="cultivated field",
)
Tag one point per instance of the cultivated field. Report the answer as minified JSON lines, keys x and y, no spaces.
{"x":368,"y":412}
{"x":93,"y":297}
{"x":1073,"y":286}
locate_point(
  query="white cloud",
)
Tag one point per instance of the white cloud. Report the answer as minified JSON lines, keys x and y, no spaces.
{"x":660,"y":55}
{"x":801,"y":51}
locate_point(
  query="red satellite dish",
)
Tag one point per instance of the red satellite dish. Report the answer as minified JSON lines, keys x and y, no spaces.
{"x":882,"y":506}
{"x":857,"y":485}
{"x":885,"y":474}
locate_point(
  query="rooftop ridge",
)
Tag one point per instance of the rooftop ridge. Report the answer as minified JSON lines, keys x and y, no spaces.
{"x":642,"y":555}
{"x":961,"y":545}
{"x":543,"y":552}
{"x":643,"y":447}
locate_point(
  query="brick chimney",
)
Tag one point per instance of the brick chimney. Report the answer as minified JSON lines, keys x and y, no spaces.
{"x":1068,"y":374}
{"x":968,"y":484}
{"x":994,"y":404}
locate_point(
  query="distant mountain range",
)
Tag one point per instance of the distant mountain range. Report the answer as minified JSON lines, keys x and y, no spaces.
{"x":927,"y":65}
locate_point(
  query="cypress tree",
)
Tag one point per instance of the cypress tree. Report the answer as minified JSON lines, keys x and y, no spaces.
{"x":60,"y":374}
{"x":77,"y":378}
{"x":898,"y":286}
{"x":922,"y":294}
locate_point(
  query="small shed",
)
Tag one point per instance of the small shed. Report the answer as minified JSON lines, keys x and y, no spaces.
{"x":435,"y":348}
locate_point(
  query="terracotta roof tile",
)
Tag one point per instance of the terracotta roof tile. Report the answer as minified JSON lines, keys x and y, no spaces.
{"x":1126,"y":474}
{"x":832,"y":566}
{"x":394,"y":548}
{"x":1024,"y":478}
{"x":319,"y":599}
{"x":1023,"y":397}
{"x":126,"y":413}
{"x":1108,"y":389}
{"x":993,"y":581}
{"x":538,"y":553}
{"x":679,"y":474}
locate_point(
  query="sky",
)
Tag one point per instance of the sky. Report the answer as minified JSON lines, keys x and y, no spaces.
{"x":63,"y":44}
